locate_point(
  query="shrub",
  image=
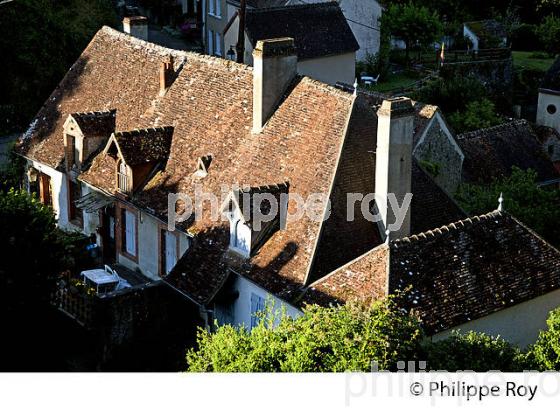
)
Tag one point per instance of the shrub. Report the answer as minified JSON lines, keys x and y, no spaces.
{"x":546,"y":351}
{"x":549,"y":33}
{"x":525,"y":38}
{"x":477,"y":115}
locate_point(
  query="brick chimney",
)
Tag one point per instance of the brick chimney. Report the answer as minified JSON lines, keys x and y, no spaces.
{"x":166,"y":73}
{"x":136,"y":26}
{"x":274,"y":68}
{"x":393,"y":164}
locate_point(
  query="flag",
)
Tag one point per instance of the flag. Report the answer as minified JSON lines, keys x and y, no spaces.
{"x":442,"y":54}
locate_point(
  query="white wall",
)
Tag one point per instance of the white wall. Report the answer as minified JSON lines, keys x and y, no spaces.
{"x":471,"y":36}
{"x":519,"y":324}
{"x":240,"y":312}
{"x":543,"y":116}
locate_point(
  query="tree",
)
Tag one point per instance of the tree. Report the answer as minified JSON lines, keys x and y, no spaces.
{"x":477,"y":114}
{"x":546,"y":351}
{"x":549,"y":34}
{"x":474,"y":351}
{"x":536,"y":207}
{"x":40,"y":40}
{"x":323,"y":339}
{"x":415,"y":25}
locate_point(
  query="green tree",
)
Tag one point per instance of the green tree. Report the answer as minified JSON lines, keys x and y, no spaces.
{"x":477,"y":114}
{"x":536,"y":207}
{"x":549,"y":34}
{"x":40,"y":40}
{"x":474,"y":351}
{"x":546,"y":351}
{"x":415,"y":25}
{"x":323,"y":339}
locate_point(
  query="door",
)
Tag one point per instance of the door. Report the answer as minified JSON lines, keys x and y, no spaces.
{"x":108,"y":235}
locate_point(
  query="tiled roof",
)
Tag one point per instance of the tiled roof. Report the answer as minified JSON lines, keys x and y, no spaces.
{"x":97,"y":123}
{"x":454,"y":274}
{"x":209,"y":105}
{"x":551,"y":80}
{"x":491,"y":152}
{"x":145,"y":145}
{"x":319,"y":30}
{"x":258,"y":4}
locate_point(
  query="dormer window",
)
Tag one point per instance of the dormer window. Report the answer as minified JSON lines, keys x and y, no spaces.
{"x":203,"y":165}
{"x":123,"y":179}
{"x":253,"y":218}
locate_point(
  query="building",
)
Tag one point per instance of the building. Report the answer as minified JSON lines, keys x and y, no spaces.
{"x":325,"y":45}
{"x":363,"y":18}
{"x":499,"y":148}
{"x":485,"y":34}
{"x":548,"y":110}
{"x":488,"y":273}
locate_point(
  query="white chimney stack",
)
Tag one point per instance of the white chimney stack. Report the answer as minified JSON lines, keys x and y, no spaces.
{"x":274,"y":68}
{"x":136,"y":26}
{"x":393,"y":164}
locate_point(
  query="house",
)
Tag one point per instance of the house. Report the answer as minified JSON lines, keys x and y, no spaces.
{"x":363,"y":18}
{"x":550,"y":141}
{"x":485,"y":34}
{"x":502,"y":147}
{"x":548,"y":111}
{"x":325,"y":45}
{"x":489,"y":273}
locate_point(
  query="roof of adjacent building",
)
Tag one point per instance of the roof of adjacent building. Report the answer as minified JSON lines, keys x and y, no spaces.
{"x":487,"y":28}
{"x":319,"y":30}
{"x":492,"y":152}
{"x":551,"y":80}
{"x":451,"y":275}
{"x":328,"y":149}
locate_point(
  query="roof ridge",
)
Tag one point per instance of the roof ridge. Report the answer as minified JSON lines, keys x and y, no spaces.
{"x":146,"y":130}
{"x":483,"y":131}
{"x":325,"y":4}
{"x":454,"y":226}
{"x":94,"y":113}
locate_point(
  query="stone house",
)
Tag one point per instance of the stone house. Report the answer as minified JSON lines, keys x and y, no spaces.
{"x":326,"y":47}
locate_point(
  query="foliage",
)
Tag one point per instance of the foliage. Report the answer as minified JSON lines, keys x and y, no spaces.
{"x":477,"y":114}
{"x":11,"y":173}
{"x":432,"y":168}
{"x":549,"y":34}
{"x":546,"y":351}
{"x":415,"y":25}
{"x":451,"y":95}
{"x":474,"y":351}
{"x":40,"y":41}
{"x":323,"y":339}
{"x":524,"y":38}
{"x":536,"y":207}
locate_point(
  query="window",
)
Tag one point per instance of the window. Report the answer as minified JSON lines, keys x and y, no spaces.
{"x":218,"y":45}
{"x":257,"y":306}
{"x":551,"y":109}
{"x":210,"y":42}
{"x":128,"y":233}
{"x":45,"y":189}
{"x":211,"y":7}
{"x":75,"y":215}
{"x":168,"y":249}
{"x":242,"y":239}
{"x":74,"y":153}
{"x":218,"y":8}
{"x":123,"y":177}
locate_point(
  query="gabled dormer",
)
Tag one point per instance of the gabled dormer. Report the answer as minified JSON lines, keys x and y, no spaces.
{"x":85,"y":133}
{"x":254,"y":215}
{"x":137,"y":155}
{"x":203,"y":165}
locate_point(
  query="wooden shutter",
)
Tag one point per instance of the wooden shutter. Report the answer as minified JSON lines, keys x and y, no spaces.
{"x":170,"y":251}
{"x":130,"y":232}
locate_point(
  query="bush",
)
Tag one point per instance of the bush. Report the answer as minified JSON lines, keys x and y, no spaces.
{"x":549,"y":33}
{"x":525,"y":38}
{"x":546,"y":351}
{"x":331,"y":339}
{"x":474,"y":351}
{"x":477,"y":115}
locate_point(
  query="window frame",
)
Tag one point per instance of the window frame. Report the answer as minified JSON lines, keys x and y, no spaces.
{"x":122,"y":233}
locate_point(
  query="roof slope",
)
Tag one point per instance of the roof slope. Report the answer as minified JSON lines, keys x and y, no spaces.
{"x":319,"y":30}
{"x":551,"y":80}
{"x":491,"y":152}
{"x":146,"y":145}
{"x":453,"y":274}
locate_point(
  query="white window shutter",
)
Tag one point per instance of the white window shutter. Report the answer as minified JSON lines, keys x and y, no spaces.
{"x":130,"y":232}
{"x":170,"y":251}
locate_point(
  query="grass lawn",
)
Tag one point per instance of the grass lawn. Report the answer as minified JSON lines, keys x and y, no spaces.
{"x":395,"y":81}
{"x":526,"y":59}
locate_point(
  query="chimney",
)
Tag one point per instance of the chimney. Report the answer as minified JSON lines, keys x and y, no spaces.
{"x":166,"y":73}
{"x":393,"y":164}
{"x":274,"y":68}
{"x":136,"y":26}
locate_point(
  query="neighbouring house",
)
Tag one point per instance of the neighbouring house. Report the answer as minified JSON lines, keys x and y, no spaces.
{"x":491,"y":153}
{"x":363,"y":18}
{"x":550,"y":140}
{"x":325,"y":45}
{"x":489,"y":273}
{"x":548,"y":110}
{"x":485,"y":34}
